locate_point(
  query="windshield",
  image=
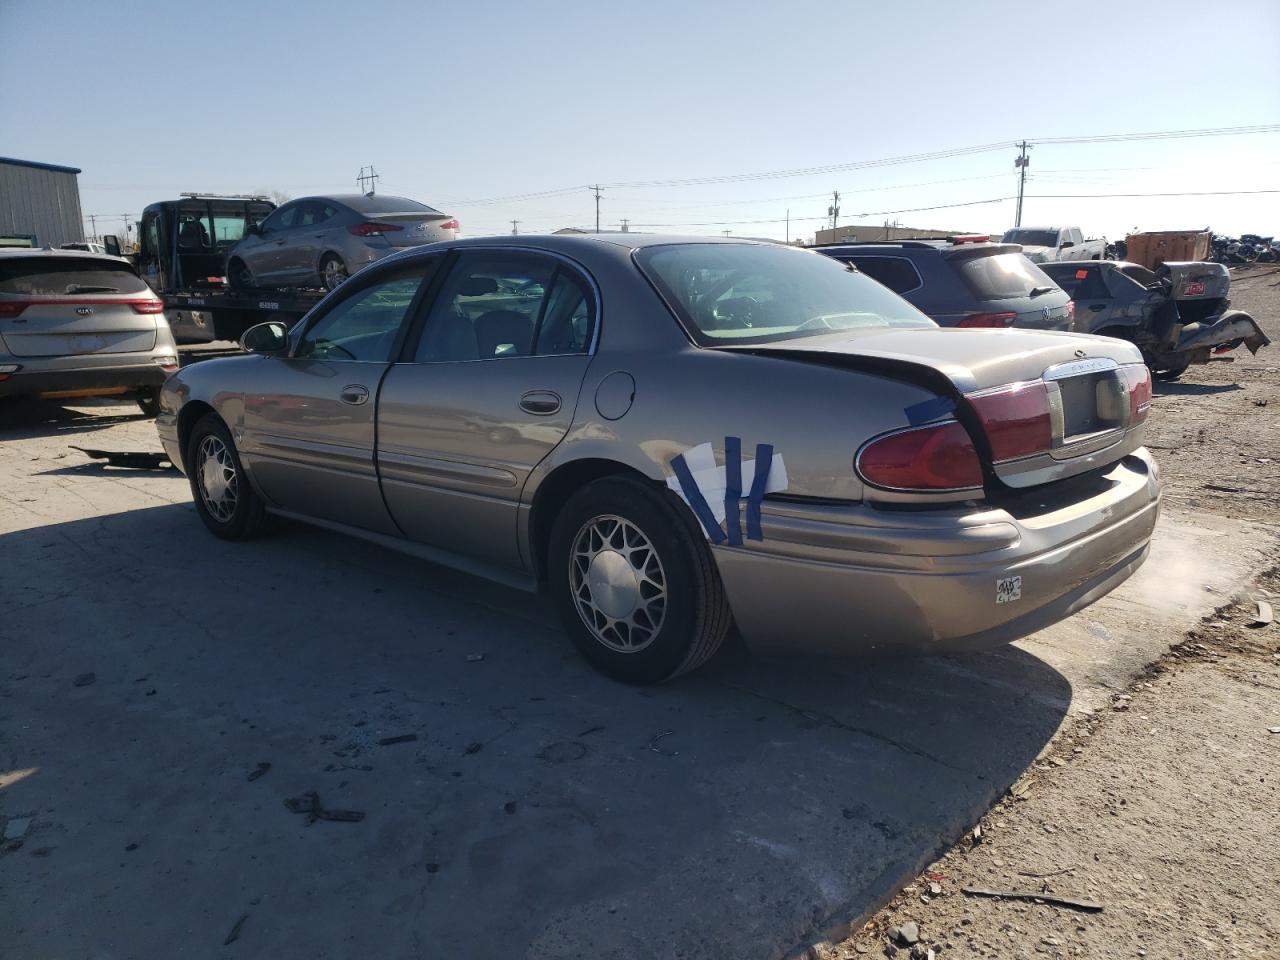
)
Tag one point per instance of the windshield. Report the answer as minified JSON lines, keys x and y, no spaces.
{"x":57,"y":276}
{"x":1003,"y":276}
{"x":1032,"y":238}
{"x":728,"y":293}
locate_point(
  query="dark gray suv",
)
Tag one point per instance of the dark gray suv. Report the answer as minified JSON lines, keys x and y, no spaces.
{"x":964,"y":281}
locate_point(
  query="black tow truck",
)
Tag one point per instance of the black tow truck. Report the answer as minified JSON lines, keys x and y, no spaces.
{"x":182,"y":253}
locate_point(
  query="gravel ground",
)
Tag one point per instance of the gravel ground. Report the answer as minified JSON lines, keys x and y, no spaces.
{"x":1160,"y":807}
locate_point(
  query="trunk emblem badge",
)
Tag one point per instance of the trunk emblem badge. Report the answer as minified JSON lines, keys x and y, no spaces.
{"x":84,"y":311}
{"x":1046,"y":312}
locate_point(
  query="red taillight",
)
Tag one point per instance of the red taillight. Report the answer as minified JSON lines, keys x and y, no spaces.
{"x":936,"y":457}
{"x":147,"y":306}
{"x":371,"y":229}
{"x":449,"y":225}
{"x":970,"y":238}
{"x":1137,"y":379}
{"x":988,"y":320}
{"x":11,"y":310}
{"x":1015,"y":419}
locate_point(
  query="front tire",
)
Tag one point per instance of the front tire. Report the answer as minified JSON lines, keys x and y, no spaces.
{"x":332,"y":271}
{"x":223,"y":496}
{"x":635,"y":583}
{"x":239,"y":277}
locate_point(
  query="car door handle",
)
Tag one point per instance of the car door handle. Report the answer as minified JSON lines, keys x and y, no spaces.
{"x":541,"y":403}
{"x":354,"y":394}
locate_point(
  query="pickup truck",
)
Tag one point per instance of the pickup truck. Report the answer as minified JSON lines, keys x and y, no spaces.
{"x":1051,"y":244}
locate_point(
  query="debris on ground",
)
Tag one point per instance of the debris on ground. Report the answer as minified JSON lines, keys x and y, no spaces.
{"x":131,"y":459}
{"x":309,"y":804}
{"x":258,"y":771}
{"x":17,"y":828}
{"x":474,"y":657}
{"x":662,"y":735}
{"x":84,"y":679}
{"x":1263,"y":614}
{"x":234,"y":935}
{"x":907,"y":934}
{"x":399,"y":738}
{"x":1089,"y":906}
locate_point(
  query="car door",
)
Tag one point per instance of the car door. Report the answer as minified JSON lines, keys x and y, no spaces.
{"x":308,"y":437}
{"x":265,"y":253}
{"x":486,"y":392}
{"x":302,"y":254}
{"x":1095,"y":305}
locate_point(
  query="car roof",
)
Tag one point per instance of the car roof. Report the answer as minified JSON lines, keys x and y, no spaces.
{"x":943,"y":247}
{"x":50,"y":252}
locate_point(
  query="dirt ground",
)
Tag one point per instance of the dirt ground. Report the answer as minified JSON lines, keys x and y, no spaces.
{"x":1159,"y":807}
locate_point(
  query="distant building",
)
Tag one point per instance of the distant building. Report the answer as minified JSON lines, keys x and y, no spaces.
{"x":40,"y":201}
{"x":861,"y":234}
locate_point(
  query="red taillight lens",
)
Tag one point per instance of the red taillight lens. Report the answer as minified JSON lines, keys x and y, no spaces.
{"x":372,"y":229}
{"x":1137,"y":379}
{"x":449,"y":225}
{"x":10,"y":310}
{"x":937,"y":457}
{"x":988,"y":320}
{"x":1016,"y":419}
{"x":147,"y":306}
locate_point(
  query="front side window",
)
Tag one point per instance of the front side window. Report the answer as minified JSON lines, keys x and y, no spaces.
{"x":283,"y":219}
{"x":489,"y":307}
{"x":363,"y":326}
{"x":727,"y":293}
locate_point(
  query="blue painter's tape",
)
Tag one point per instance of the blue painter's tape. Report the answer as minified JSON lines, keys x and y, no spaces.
{"x":764,"y":462}
{"x":927,"y":410}
{"x":733,"y":489}
{"x":697,"y":501}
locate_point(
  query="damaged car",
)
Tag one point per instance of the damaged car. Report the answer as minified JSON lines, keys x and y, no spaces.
{"x":677,"y":437}
{"x":1177,"y":315}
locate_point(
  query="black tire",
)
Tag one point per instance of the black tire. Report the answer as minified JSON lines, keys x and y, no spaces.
{"x":331,"y":266}
{"x":245,"y":517}
{"x":149,"y":401}
{"x":238,"y":276}
{"x":1169,"y":374}
{"x":692,"y":619}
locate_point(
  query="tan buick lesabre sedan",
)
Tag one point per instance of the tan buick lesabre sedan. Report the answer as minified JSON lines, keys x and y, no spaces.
{"x":680,"y":436}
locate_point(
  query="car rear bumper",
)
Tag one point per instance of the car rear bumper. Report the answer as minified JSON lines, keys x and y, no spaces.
{"x":858,"y":579}
{"x":38,"y":381}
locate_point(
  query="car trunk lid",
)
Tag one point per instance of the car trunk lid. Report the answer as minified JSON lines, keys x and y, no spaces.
{"x":414,"y":227}
{"x":1079,"y":387}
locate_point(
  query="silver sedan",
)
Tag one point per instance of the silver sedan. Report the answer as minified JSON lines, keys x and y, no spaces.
{"x":676,"y":436}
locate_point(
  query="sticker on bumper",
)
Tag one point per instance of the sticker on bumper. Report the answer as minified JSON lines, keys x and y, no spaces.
{"x":1008,"y":589}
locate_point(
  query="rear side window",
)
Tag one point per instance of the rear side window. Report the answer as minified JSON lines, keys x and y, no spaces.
{"x":66,"y":276}
{"x":1001,"y":276}
{"x":896,"y":273}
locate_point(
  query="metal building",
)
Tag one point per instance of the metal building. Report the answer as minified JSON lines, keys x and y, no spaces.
{"x":40,"y":201}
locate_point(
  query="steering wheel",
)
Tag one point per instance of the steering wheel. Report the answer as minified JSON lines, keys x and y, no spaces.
{"x":741,"y":309}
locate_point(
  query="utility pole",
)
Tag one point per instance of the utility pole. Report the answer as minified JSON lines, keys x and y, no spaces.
{"x":726,"y":232}
{"x":833,"y":211}
{"x":596,"y":189}
{"x":371,"y":177}
{"x":624,"y":223}
{"x":788,"y":226}
{"x":515,"y":232}
{"x":1021,"y":162}
{"x":93,"y":227}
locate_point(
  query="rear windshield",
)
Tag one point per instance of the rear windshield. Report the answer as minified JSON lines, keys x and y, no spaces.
{"x":1002,"y":276}
{"x":58,"y":276}
{"x":377,"y":204}
{"x":1032,"y":238}
{"x":741,"y":294}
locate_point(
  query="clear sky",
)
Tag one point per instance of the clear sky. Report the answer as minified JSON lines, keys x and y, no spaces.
{"x":462,"y":102}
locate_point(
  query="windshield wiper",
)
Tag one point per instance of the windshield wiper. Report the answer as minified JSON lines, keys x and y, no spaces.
{"x":90,"y":288}
{"x":1036,"y":291}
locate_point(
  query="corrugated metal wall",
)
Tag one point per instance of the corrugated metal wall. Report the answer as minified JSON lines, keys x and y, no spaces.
{"x":43,"y":202}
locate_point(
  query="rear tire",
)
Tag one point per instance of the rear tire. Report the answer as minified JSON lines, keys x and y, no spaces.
{"x":635,"y":583}
{"x":239,"y":277}
{"x":224,"y":498}
{"x":332,"y":271}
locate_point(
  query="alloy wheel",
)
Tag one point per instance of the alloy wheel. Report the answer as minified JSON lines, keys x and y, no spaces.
{"x":218,"y":479}
{"x":618,"y":584}
{"x":334,"y":273}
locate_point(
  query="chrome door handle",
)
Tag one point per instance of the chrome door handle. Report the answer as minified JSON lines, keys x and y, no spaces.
{"x":354,"y":394}
{"x":541,"y":403}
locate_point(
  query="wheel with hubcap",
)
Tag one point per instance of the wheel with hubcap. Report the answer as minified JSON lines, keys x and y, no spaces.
{"x":635,"y":583}
{"x":332,"y":271}
{"x":223,"y":496}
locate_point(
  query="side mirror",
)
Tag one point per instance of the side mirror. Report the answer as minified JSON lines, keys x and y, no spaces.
{"x":268,"y":338}
{"x":254,"y":230}
{"x":1066,"y":243}
{"x":111,"y":243}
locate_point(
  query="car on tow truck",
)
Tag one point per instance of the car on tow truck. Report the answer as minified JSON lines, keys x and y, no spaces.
{"x":673,"y":436}
{"x":78,"y":324}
